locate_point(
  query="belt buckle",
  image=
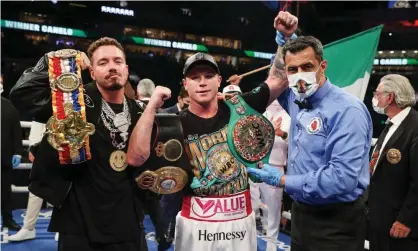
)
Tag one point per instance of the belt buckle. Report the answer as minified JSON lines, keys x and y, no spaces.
{"x":66,"y":82}
{"x":71,"y":131}
{"x":167,"y":180}
{"x":252,"y":138}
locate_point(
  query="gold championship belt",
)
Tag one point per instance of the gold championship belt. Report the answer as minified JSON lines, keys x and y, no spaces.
{"x":67,"y":129}
{"x":168,"y":161}
{"x":166,"y":180}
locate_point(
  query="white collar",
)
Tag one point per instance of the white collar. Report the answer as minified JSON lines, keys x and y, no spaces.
{"x":398,"y":118}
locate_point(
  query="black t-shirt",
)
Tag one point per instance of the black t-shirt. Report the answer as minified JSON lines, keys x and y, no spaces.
{"x":102,"y":202}
{"x":202,"y":136}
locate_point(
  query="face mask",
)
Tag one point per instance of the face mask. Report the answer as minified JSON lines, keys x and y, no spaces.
{"x":376,"y":108}
{"x":311,"y":86}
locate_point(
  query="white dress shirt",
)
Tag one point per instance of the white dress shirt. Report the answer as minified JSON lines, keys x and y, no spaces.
{"x":278,"y":156}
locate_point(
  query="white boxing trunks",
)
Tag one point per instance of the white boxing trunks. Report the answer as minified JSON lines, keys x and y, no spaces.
{"x":221,"y":223}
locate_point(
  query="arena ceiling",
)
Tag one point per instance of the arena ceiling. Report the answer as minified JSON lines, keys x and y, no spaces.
{"x":249,"y":21}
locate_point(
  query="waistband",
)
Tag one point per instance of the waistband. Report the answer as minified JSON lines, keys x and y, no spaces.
{"x":217,"y":208}
{"x":326,"y":207}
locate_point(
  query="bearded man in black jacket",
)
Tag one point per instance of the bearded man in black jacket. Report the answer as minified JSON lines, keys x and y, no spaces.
{"x":83,"y":171}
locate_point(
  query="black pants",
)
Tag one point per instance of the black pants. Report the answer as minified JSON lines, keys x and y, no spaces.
{"x":332,"y":227}
{"x":381,"y":241}
{"x":70,"y":242}
{"x":155,"y":212}
{"x":171,"y":205}
{"x":6,"y":192}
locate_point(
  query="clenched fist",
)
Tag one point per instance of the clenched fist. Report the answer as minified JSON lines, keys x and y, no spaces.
{"x":286,"y":23}
{"x":234,"y":79}
{"x":85,"y":62}
{"x":160,"y":95}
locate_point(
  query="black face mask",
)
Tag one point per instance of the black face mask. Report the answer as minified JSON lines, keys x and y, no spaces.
{"x":185,"y":106}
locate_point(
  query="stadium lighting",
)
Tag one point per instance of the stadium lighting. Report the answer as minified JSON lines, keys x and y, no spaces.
{"x":118,"y":11}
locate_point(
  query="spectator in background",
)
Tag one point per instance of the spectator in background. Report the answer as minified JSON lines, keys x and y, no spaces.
{"x":393,"y":191}
{"x":183,"y":102}
{"x":2,"y":87}
{"x":144,"y":90}
{"x":5,"y":89}
{"x":232,"y":89}
{"x":34,"y":205}
{"x":11,"y":154}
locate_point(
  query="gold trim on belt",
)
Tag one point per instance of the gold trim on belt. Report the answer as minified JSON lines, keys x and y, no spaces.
{"x":68,"y":130}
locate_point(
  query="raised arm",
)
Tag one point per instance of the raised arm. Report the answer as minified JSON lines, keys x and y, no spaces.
{"x":139,"y":143}
{"x":32,"y":91}
{"x":285,"y":24}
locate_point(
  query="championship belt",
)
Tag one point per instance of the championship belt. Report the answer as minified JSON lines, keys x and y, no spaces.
{"x":250,"y":134}
{"x":168,"y":159}
{"x":67,"y":129}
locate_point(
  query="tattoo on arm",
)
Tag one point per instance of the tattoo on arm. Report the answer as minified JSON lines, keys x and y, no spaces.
{"x":278,"y":68}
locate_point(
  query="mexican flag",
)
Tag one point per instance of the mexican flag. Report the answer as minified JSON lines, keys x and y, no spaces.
{"x":350,"y":61}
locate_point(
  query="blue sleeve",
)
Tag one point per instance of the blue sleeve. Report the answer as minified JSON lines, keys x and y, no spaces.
{"x":347,"y":143}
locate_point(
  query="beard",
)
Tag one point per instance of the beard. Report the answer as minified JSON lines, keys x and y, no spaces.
{"x":115,"y":87}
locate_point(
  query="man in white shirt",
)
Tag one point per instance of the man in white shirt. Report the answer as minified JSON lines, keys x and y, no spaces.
{"x":34,"y":206}
{"x":393,"y":191}
{"x":270,"y":195}
{"x":260,"y":192}
{"x":144,"y":90}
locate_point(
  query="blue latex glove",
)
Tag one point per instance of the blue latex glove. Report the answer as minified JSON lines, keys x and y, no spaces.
{"x":267,"y":174}
{"x":280,"y":40}
{"x":16,"y":160}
